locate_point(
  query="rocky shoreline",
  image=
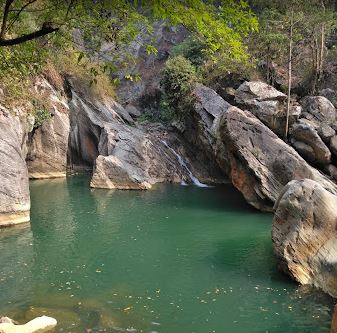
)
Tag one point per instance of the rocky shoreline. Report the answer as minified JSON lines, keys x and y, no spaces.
{"x":243,"y":142}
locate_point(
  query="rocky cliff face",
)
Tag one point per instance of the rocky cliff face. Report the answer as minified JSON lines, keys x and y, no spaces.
{"x":14,"y":192}
{"x":304,"y":234}
{"x":124,"y":156}
{"x":48,"y":143}
{"x":260,"y":163}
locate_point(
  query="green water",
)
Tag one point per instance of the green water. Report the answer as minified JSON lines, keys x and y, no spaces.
{"x":171,"y":260}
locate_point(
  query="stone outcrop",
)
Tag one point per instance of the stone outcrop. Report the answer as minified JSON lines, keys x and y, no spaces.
{"x":318,"y":110}
{"x":268,"y":104}
{"x":123,"y":156}
{"x":38,"y":325}
{"x":304,"y":234}
{"x":48,"y":143}
{"x":87,"y":119}
{"x":130,"y":158}
{"x":309,"y":144}
{"x":14,"y":192}
{"x":330,"y":94}
{"x":260,"y":163}
{"x":201,"y":128}
{"x":144,"y":92}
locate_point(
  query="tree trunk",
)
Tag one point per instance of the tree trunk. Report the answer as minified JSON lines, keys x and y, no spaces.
{"x":291,"y":32}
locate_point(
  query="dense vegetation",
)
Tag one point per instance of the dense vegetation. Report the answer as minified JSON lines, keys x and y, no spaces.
{"x":290,"y":44}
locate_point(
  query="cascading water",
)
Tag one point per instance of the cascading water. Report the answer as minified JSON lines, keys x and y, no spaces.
{"x":194,"y":180}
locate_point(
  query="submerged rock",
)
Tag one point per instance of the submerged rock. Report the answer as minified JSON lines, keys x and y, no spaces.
{"x":268,"y":104}
{"x":304,"y":234}
{"x":14,"y":193}
{"x":38,"y":325}
{"x":260,"y":163}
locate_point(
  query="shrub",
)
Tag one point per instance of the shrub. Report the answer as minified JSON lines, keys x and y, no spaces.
{"x":40,"y":112}
{"x":178,"y":80}
{"x":193,"y":49}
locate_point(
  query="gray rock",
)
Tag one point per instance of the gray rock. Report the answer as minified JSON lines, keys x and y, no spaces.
{"x":87,"y":119}
{"x":304,"y":234}
{"x":326,"y":132}
{"x":201,"y":128}
{"x":132,"y":159}
{"x":48,"y":144}
{"x":14,"y":194}
{"x":331,"y":170}
{"x":314,"y":149}
{"x":268,"y":104}
{"x":333,"y":145}
{"x":330,"y":94}
{"x":132,"y":110}
{"x":318,"y":109}
{"x":260,"y":163}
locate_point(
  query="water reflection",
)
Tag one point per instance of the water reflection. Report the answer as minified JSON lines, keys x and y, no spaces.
{"x":173,"y":259}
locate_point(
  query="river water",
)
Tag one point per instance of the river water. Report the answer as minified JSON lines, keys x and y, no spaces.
{"x":175,"y":259}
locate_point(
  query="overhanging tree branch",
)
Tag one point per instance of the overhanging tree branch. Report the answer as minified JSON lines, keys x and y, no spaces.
{"x":46,"y":29}
{"x":18,"y":13}
{"x":5,"y":18}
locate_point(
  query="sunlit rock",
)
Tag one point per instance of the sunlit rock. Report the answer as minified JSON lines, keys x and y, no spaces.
{"x":304,"y":234}
{"x":37,"y":325}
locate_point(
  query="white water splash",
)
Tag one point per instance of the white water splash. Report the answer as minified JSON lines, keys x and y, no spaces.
{"x":182,"y":162}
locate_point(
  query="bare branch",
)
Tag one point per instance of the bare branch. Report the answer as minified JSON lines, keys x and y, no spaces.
{"x":5,"y":18}
{"x":18,"y":13}
{"x":46,"y":29}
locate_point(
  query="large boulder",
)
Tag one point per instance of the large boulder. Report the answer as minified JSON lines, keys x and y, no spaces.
{"x":268,"y":104}
{"x":48,"y":143}
{"x":260,"y":163}
{"x":130,"y":158}
{"x":309,"y":144}
{"x":330,"y":94}
{"x":87,"y":120}
{"x":201,"y":128}
{"x":319,"y":110}
{"x":14,"y":193}
{"x":304,"y":234}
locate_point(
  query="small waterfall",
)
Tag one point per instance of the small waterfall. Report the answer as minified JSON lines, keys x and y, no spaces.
{"x":182,"y":162}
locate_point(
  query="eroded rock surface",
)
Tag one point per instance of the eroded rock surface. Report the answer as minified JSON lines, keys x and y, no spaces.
{"x":133,"y":159}
{"x":48,"y":143}
{"x":268,"y":104}
{"x":201,"y":129}
{"x":304,"y":234}
{"x":309,"y":144}
{"x":319,"y":110}
{"x":14,"y":189}
{"x":260,"y":163}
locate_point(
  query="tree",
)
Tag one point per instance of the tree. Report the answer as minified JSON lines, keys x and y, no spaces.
{"x":221,"y":25}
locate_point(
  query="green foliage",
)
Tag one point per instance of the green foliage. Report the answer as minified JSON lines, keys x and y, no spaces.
{"x":192,"y":48}
{"x":41,"y":113}
{"x":178,"y":80}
